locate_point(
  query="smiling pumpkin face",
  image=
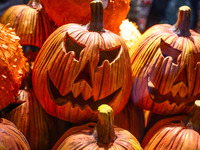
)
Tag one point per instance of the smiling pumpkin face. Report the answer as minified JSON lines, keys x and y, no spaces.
{"x":77,"y":70}
{"x":166,"y":68}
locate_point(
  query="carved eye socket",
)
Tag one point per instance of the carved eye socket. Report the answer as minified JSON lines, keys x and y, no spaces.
{"x":167,"y":50}
{"x":110,"y":55}
{"x":196,"y":58}
{"x":105,"y":3}
{"x":71,"y":45}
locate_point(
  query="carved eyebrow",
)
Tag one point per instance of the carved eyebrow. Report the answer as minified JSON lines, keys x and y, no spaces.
{"x":167,"y":50}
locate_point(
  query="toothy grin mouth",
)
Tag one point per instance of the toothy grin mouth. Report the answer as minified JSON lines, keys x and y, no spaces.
{"x":61,"y":100}
{"x":172,"y":97}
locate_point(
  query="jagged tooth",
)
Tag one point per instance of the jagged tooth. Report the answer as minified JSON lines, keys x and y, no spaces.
{"x":76,"y":91}
{"x":150,"y":84}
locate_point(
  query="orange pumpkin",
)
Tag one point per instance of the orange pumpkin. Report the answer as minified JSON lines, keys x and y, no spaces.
{"x":166,"y":67}
{"x":178,"y":132}
{"x":30,"y":21}
{"x":40,"y":129}
{"x":12,"y":66}
{"x":11,"y":137}
{"x":78,"y":11}
{"x":80,"y":67}
{"x":131,"y":118}
{"x":102,"y":135}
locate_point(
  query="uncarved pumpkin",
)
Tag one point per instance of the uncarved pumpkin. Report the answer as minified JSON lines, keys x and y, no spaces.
{"x":166,"y":67}
{"x":81,"y":67}
{"x":102,"y":135}
{"x":11,"y":137}
{"x":12,"y":65}
{"x":178,"y":132}
{"x":30,"y":21}
{"x":78,"y":11}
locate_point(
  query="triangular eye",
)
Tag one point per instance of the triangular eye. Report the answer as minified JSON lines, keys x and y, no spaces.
{"x":109,"y":55}
{"x":71,"y":45}
{"x":167,"y":50}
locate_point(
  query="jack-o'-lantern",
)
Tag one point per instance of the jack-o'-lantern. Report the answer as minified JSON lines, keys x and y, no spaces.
{"x":78,"y":11}
{"x":30,"y":21}
{"x":12,"y":66}
{"x":178,"y":132}
{"x":80,"y":67}
{"x":166,"y":67}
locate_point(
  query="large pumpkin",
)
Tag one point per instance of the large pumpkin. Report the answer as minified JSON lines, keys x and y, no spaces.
{"x":103,"y":135}
{"x":11,"y":137}
{"x":179,"y":132}
{"x":30,"y":21}
{"x":80,"y":67}
{"x":166,"y":67}
{"x":78,"y":11}
{"x":12,"y":66}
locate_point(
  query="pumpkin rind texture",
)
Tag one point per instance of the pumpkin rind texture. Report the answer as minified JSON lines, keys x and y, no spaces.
{"x":30,"y":21}
{"x":12,"y":65}
{"x":78,"y":69}
{"x":166,"y":67}
{"x":11,"y":137}
{"x":78,"y":11}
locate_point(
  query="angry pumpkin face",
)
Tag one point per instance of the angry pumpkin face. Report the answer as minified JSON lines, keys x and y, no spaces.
{"x":166,"y":67}
{"x":77,"y":70}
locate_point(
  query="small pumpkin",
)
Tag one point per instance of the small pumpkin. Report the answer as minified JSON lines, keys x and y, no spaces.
{"x":166,"y":67}
{"x":102,"y":135}
{"x":12,"y":66}
{"x":78,"y":11}
{"x":81,"y":67}
{"x":30,"y":21}
{"x":11,"y":137}
{"x":131,"y":118}
{"x":179,"y":132}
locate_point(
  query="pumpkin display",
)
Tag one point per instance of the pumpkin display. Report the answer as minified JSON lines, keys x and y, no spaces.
{"x":179,"y":132}
{"x":102,"y":135}
{"x":166,"y":67}
{"x":131,"y":118}
{"x":30,"y":21}
{"x":12,"y":66}
{"x":78,"y":11}
{"x":40,"y":129}
{"x":129,"y":32}
{"x":81,"y":67}
{"x":11,"y":137}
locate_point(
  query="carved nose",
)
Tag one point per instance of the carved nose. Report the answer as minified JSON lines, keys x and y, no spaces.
{"x":84,"y":75}
{"x":183,"y":76}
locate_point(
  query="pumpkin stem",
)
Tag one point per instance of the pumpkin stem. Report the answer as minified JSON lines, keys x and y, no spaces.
{"x":96,"y":21}
{"x":192,"y":121}
{"x":105,"y":125}
{"x":182,"y":26}
{"x":34,"y":4}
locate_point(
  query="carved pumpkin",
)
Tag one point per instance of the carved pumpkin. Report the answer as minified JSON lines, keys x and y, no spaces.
{"x":30,"y":21}
{"x":166,"y":67}
{"x":78,"y":11}
{"x":11,"y":137}
{"x":102,"y":135}
{"x":178,"y":132}
{"x":131,"y":118}
{"x":80,"y":67}
{"x":40,"y":129}
{"x":12,"y":65}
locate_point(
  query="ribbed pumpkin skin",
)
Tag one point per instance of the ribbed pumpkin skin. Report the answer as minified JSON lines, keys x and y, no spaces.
{"x":131,"y":118}
{"x":11,"y":137}
{"x":12,"y":65}
{"x":78,"y":11}
{"x":166,"y":70}
{"x":80,"y":137}
{"x":40,"y":129}
{"x":32,"y":25}
{"x":171,"y":133}
{"x":70,"y":51}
